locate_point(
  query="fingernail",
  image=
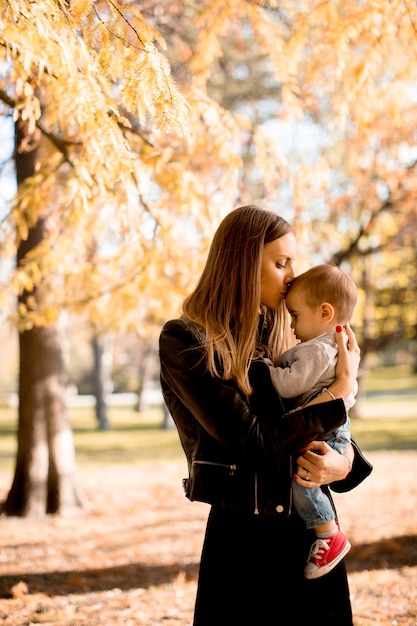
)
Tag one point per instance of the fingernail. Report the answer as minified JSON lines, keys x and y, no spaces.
{"x":339,"y":328}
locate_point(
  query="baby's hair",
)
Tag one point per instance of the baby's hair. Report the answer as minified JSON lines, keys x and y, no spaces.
{"x":328,"y":283}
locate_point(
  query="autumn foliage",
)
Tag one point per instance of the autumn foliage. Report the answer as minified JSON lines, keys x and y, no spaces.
{"x":152,"y":122}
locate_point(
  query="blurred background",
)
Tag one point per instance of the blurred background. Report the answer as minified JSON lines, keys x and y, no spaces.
{"x":129,"y":132}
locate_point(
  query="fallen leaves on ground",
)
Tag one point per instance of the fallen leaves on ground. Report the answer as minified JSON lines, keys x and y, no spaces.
{"x":133,"y":558}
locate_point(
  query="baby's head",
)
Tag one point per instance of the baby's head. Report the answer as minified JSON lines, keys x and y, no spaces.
{"x":320,"y":298}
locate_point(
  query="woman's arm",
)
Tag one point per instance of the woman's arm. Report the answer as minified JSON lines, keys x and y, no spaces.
{"x":245,"y":426}
{"x":216,"y":404}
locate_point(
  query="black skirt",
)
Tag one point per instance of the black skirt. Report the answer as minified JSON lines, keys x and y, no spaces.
{"x":251,"y":574}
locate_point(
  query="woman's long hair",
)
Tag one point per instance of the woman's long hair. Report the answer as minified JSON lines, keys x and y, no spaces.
{"x":226,"y":300}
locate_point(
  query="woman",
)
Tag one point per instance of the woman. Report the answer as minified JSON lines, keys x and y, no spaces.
{"x":238,"y":449}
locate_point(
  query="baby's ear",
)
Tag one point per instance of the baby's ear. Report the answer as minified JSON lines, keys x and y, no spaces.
{"x":327,"y":312}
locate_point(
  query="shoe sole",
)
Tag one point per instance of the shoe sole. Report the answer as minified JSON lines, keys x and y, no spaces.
{"x":321,"y":571}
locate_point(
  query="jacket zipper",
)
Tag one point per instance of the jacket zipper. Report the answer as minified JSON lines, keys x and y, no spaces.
{"x":232,"y":468}
{"x":256,"y":509}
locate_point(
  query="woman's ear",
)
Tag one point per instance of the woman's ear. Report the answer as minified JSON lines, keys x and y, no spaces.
{"x":327,"y":312}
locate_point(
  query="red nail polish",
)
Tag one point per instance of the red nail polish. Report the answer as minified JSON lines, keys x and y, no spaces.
{"x":339,"y":328}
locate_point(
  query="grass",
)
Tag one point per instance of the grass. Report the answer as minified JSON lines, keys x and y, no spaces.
{"x":390,"y":380}
{"x":136,"y":437}
{"x":133,"y":437}
{"x":385,"y":434}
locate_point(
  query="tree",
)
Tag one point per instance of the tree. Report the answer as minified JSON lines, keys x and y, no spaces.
{"x":100,"y":380}
{"x":111,"y":160}
{"x":44,"y":476}
{"x":346,"y":73}
{"x":139,"y":168}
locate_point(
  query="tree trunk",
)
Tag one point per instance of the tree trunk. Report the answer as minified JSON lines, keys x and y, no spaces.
{"x":143,"y":365}
{"x":45,"y":464}
{"x":100,"y":380}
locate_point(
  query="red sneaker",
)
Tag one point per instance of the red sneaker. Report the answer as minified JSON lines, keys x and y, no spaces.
{"x":325,"y":554}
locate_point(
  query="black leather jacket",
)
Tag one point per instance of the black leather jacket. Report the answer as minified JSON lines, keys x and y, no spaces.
{"x":238,"y":449}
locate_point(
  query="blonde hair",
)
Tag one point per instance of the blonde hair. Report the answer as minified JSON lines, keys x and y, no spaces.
{"x":226,"y":300}
{"x":328,"y":283}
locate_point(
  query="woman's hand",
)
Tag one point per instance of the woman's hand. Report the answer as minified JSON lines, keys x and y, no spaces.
{"x":348,"y":360}
{"x":349,"y":355}
{"x":323,"y":466}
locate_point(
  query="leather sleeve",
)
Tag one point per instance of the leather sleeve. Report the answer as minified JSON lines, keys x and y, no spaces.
{"x":216,"y":404}
{"x":254,"y":425}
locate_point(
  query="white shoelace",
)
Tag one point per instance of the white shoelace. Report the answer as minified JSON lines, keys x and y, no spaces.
{"x":319,"y":547}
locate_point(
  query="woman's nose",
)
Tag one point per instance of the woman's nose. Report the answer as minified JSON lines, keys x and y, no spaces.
{"x":290,"y":276}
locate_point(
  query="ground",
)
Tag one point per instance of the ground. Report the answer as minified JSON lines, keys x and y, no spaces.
{"x":132,"y":559}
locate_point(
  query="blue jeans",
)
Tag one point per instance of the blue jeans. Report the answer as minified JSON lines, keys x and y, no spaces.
{"x":311,"y":504}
